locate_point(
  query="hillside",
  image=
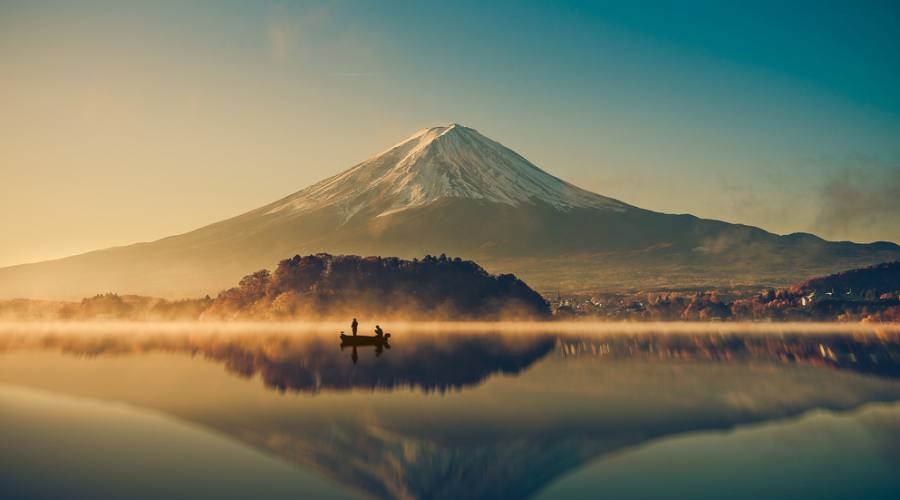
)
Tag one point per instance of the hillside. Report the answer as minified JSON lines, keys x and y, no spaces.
{"x":344,"y":286}
{"x":871,"y":282}
{"x":867,"y":294}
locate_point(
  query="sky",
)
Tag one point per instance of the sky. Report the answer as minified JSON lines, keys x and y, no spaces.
{"x":125,"y":121}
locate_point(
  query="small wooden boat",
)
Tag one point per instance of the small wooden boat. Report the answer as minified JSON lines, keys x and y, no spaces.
{"x":364,"y":339}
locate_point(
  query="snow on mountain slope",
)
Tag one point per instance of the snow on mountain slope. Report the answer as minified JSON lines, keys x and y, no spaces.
{"x":441,"y":162}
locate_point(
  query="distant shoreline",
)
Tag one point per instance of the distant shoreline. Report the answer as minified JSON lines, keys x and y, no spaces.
{"x":419,"y":327}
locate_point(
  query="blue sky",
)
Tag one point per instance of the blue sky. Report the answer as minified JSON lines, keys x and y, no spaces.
{"x":782,"y":115}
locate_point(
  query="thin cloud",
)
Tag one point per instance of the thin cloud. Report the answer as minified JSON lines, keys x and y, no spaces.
{"x":282,"y":39}
{"x":291,"y":33}
{"x":354,"y":74}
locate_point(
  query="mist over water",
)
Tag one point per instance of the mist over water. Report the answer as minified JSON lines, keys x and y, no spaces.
{"x":426,"y":327}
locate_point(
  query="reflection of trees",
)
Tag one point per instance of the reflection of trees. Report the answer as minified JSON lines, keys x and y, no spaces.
{"x":430,"y":363}
{"x":309,"y":363}
{"x":316,"y":362}
{"x":864,"y":353}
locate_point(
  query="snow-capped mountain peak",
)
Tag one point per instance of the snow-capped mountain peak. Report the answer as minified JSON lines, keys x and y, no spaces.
{"x":451,"y":161}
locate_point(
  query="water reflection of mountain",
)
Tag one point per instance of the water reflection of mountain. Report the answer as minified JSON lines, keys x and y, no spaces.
{"x":511,"y":438}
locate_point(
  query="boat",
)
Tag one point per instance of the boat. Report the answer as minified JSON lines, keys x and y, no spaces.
{"x":364,"y":339}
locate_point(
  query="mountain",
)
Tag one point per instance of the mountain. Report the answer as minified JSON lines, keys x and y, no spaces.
{"x":452,"y":190}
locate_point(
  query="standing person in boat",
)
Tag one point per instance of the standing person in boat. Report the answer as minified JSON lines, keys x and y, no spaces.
{"x":353,"y":326}
{"x":378,"y":331}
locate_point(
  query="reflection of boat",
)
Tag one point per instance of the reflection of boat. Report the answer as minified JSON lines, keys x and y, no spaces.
{"x":360,"y":340}
{"x":379,"y":341}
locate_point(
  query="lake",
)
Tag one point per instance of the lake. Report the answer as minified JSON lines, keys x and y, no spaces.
{"x":450,"y":411}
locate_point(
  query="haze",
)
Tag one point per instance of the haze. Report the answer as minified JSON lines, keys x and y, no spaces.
{"x":130,"y":121}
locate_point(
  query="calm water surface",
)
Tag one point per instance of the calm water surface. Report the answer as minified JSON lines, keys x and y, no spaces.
{"x":201,"y":413}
